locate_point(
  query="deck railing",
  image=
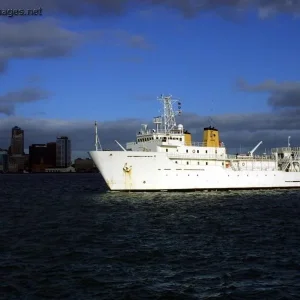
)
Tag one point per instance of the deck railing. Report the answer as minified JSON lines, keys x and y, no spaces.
{"x":196,"y":156}
{"x":224,"y":157}
{"x":159,"y":131}
{"x":254,"y":157}
{"x":285,"y":149}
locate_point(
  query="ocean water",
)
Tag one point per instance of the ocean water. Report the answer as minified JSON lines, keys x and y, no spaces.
{"x":63,"y":237}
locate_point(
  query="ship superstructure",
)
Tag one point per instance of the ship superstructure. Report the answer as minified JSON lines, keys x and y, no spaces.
{"x":166,"y":158}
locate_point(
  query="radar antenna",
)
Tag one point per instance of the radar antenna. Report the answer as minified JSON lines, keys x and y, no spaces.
{"x":169,"y":121}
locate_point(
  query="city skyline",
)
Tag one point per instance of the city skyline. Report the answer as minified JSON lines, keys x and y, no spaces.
{"x":41,"y":157}
{"x":19,"y":131}
{"x":235,"y":64}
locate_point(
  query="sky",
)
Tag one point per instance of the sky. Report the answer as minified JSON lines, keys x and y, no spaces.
{"x":234,"y":61}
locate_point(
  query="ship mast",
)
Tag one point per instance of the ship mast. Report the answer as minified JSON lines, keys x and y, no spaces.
{"x":97,"y":141}
{"x":169,"y":121}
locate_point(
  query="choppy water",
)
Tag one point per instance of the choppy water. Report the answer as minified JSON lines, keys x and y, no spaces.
{"x":62,"y":238}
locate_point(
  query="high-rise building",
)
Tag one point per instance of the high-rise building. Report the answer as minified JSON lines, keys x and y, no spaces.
{"x":17,"y":141}
{"x":37,"y":154}
{"x":51,"y":154}
{"x":3,"y":161}
{"x":42,"y":156}
{"x":63,"y":152}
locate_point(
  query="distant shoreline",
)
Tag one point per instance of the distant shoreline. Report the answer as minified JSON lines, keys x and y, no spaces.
{"x":48,"y":173}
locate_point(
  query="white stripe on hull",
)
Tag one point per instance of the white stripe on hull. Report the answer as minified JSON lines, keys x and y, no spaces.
{"x":155,"y":171}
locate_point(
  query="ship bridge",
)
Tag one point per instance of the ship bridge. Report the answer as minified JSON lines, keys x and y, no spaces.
{"x":176,"y":134}
{"x":151,"y":138}
{"x":167,"y":136}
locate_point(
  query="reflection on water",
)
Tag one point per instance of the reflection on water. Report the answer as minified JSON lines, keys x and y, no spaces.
{"x":66,"y":239}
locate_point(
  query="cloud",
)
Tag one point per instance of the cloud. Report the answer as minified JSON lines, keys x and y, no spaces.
{"x":119,"y":37}
{"x":188,"y":8}
{"x":7,"y":108}
{"x":46,"y":39}
{"x":35,"y":39}
{"x":26,"y":95}
{"x":41,"y":130}
{"x":138,"y":41}
{"x":268,"y":8}
{"x":235,"y":130}
{"x":284,"y":95}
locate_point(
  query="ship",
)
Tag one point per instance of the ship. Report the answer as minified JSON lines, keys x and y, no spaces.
{"x":165,"y":158}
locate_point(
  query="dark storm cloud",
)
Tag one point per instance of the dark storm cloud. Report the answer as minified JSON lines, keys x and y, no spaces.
{"x":281,"y":95}
{"x":38,"y":130}
{"x":188,"y":8}
{"x":289,"y":99}
{"x":235,"y":130}
{"x":26,"y":95}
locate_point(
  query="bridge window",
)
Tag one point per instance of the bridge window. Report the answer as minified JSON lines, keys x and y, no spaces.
{"x":206,"y":163}
{"x":187,"y":151}
{"x":180,"y":139}
{"x":197,"y":151}
{"x":205,"y":151}
{"x":167,"y":150}
{"x":187,"y":162}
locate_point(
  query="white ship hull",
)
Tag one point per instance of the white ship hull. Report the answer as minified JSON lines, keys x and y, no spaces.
{"x":154,"y":171}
